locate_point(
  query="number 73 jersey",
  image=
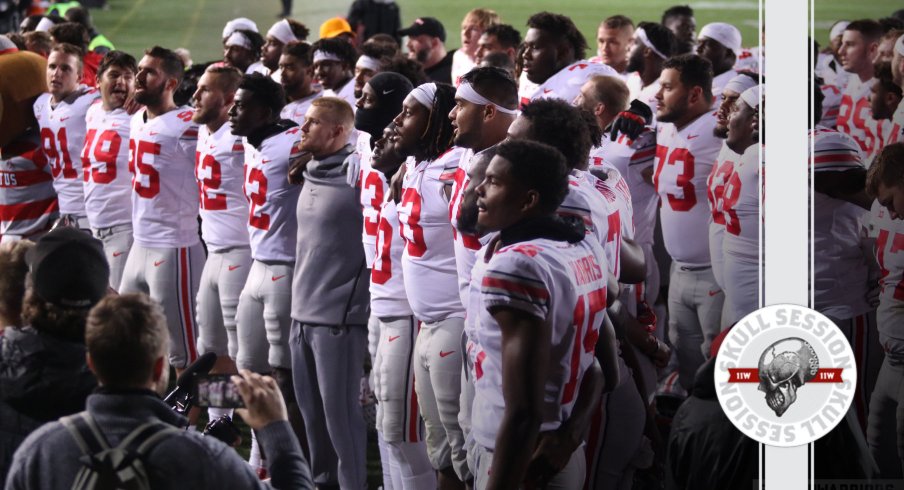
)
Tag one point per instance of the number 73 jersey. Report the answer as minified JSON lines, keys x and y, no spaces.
{"x":684,"y":159}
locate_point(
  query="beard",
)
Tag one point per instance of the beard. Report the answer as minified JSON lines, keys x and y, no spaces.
{"x":720,"y":131}
{"x":635,"y":62}
{"x":422,"y":55}
{"x":674,"y":113}
{"x":149,"y":96}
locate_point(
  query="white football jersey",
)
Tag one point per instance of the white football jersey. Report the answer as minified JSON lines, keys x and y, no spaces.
{"x":741,"y":206}
{"x":466,"y":244}
{"x":62,"y":137}
{"x":896,"y":128}
{"x":28,"y":202}
{"x":567,"y":83}
{"x":164,"y":190}
{"x":220,"y":171}
{"x":526,"y":90}
{"x":631,"y":158}
{"x":831,"y":104}
{"x":374,"y":188}
{"x":684,"y":160}
{"x":428,"y":261}
{"x":890,"y":257}
{"x":295,"y":110}
{"x":346,"y":93}
{"x":271,"y":198}
{"x":563,"y":285}
{"x":715,"y":188}
{"x":751,"y":59}
{"x":647,"y":95}
{"x":855,"y":117}
{"x":461,"y":64}
{"x":105,"y":161}
{"x":387,"y":286}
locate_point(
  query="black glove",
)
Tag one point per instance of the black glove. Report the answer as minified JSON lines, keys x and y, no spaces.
{"x":632,"y":121}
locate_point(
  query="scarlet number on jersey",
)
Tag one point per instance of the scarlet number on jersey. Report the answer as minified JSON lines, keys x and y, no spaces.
{"x":897,"y":244}
{"x":411,"y":230}
{"x":185,"y":115}
{"x":107,"y":173}
{"x":851,"y":121}
{"x":720,"y":175}
{"x":587,"y":320}
{"x":382,"y":268}
{"x":729,"y":200}
{"x":663,"y":157}
{"x":373,"y":185}
{"x":210,"y":183}
{"x":259,"y":198}
{"x":138,"y":150}
{"x":57,"y":150}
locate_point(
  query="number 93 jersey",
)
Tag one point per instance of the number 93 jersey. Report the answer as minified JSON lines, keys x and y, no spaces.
{"x":683,"y":162}
{"x":105,"y":159}
{"x":164,"y":191}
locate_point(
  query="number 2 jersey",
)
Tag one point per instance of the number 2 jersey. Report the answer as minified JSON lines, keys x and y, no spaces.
{"x":428,"y":261}
{"x":164,"y":191}
{"x":62,"y":137}
{"x":562,"y":284}
{"x":220,"y":172}
{"x":105,"y":158}
{"x":684,"y":159}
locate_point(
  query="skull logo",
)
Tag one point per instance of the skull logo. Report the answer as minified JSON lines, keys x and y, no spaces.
{"x":784,"y":367}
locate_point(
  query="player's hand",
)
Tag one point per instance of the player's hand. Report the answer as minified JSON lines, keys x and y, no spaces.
{"x":263,"y":400}
{"x":662,"y":355}
{"x":353,"y":169}
{"x":297,"y":166}
{"x":632,"y":121}
{"x":554,"y":449}
{"x":395,"y":185}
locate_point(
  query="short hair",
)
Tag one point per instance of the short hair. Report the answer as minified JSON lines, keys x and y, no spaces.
{"x":79,"y":15}
{"x":117,"y":58}
{"x":890,"y":23}
{"x":887,"y":169}
{"x":299,"y":30}
{"x":868,"y":28}
{"x":228,"y":77}
{"x":408,"y":68}
{"x":661,"y":37}
{"x":484,"y":17}
{"x":338,"y":47}
{"x":893,"y":34}
{"x":378,"y":50}
{"x":265,"y":91}
{"x":439,"y":132}
{"x":617,"y":22}
{"x":563,"y":28}
{"x":884,"y":77}
{"x":125,"y":335}
{"x":12,"y":281}
{"x":677,"y":11}
{"x":300,"y":50}
{"x":171,"y":62}
{"x":383,"y":39}
{"x":506,"y":35}
{"x":499,"y":60}
{"x":611,"y":91}
{"x":694,"y":70}
{"x":42,"y":40}
{"x":537,"y":166}
{"x":19,"y":41}
{"x":340,"y":111}
{"x":495,"y":84}
{"x":559,"y":124}
{"x":72,"y":33}
{"x":70,"y":49}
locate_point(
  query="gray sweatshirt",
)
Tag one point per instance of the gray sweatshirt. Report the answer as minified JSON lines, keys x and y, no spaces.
{"x":331,"y":282}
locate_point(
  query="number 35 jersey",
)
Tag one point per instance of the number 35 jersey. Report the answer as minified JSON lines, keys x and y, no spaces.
{"x":105,"y":159}
{"x":164,"y":191}
{"x":683,"y":162}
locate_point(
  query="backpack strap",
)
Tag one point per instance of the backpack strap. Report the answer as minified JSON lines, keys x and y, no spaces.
{"x":87,"y":435}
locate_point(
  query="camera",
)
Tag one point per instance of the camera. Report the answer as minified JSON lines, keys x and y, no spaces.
{"x":216,"y":390}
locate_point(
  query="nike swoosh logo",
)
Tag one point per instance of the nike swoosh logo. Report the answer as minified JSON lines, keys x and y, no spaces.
{"x":713,"y":293}
{"x":547,"y":90}
{"x":64,"y":118}
{"x":153,"y":133}
{"x":387,"y":92}
{"x":445,"y":354}
{"x":276,"y":278}
{"x":158,"y":262}
{"x":264,"y":162}
{"x":391,"y":338}
{"x":690,"y":137}
{"x":233,"y":267}
{"x":117,"y":254}
{"x":115,"y":125}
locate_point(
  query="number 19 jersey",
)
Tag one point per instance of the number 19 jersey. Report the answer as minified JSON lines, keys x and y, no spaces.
{"x":105,"y":159}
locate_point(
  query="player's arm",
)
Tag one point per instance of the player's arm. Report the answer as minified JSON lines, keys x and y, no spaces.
{"x":633,"y":263}
{"x":298,"y":162}
{"x":525,"y":362}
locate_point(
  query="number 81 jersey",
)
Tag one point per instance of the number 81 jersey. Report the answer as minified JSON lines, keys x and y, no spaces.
{"x":683,"y":162}
{"x":164,"y":192}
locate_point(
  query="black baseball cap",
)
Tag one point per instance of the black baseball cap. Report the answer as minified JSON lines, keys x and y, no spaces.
{"x":425,"y":25}
{"x":69,"y":268}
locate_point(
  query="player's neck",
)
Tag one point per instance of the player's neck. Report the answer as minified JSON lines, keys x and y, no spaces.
{"x":691,"y":116}
{"x":161,"y":109}
{"x":866,"y":73}
{"x":649,"y":74}
{"x":620,"y":66}
{"x":215,"y":125}
{"x":54,"y":100}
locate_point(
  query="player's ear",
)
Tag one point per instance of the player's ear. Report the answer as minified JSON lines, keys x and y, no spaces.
{"x":696,"y":94}
{"x":531,"y":200}
{"x":159,"y":365}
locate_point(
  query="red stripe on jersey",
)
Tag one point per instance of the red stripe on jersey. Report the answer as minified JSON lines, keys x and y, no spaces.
{"x":187,"y":317}
{"x":521,"y":289}
{"x":837,"y":157}
{"x":191,"y":133}
{"x":24,"y":178}
{"x":238,"y":147}
{"x":644,"y":154}
{"x":28,"y":210}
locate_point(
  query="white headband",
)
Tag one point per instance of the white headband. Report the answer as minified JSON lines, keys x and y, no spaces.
{"x":467,"y":92}
{"x":752,"y":96}
{"x":368,"y":63}
{"x":325,"y":56}
{"x":899,"y":45}
{"x":739,"y":84}
{"x":282,"y":32}
{"x":640,"y":34}
{"x":242,"y":23}
{"x":838,"y":29}
{"x":44,"y":25}
{"x":424,"y":94}
{"x":238,"y":39}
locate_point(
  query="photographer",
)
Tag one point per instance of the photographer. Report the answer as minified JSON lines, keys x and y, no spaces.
{"x":126,"y":339}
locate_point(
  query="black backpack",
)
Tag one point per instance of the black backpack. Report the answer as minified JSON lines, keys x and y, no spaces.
{"x":121,"y":467}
